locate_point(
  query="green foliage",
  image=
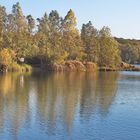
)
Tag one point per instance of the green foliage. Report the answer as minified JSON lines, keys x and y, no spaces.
{"x":14,"y":67}
{"x":26,"y":68}
{"x":54,"y":39}
{"x":60,"y":59}
{"x":109,"y":54}
{"x":89,"y":37}
{"x":71,"y":40}
{"x":130,"y":50}
{"x":70,"y":21}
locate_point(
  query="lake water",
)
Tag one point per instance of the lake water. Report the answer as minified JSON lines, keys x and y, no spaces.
{"x":70,"y":106}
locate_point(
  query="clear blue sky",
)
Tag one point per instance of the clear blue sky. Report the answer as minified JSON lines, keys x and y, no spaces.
{"x":122,"y":16}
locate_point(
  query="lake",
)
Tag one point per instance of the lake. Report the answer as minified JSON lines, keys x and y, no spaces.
{"x":70,"y":106}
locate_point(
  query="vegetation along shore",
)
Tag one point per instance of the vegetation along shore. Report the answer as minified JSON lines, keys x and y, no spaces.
{"x":54,"y":43}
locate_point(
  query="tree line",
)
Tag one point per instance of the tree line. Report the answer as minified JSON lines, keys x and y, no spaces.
{"x":54,"y":39}
{"x":130,"y":50}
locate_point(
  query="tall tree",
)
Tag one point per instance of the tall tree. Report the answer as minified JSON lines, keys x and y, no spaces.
{"x":55,"y":30}
{"x":89,"y":37}
{"x":3,"y":19}
{"x":71,"y":36}
{"x":69,"y":21}
{"x":19,"y":32}
{"x":109,"y":54}
{"x":42,"y":38}
{"x":20,"y":20}
{"x":3,"y":22}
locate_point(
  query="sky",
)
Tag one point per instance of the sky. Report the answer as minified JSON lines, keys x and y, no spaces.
{"x":122,"y":16}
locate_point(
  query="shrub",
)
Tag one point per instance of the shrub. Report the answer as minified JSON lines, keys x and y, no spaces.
{"x":14,"y":67}
{"x":26,"y":68}
{"x":6,"y":57}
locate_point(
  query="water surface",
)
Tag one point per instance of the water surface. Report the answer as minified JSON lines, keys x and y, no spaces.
{"x":70,"y":106}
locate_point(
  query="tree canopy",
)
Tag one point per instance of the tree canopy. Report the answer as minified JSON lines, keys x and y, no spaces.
{"x":55,"y":39}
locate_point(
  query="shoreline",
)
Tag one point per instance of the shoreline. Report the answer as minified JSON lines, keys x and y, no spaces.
{"x":71,"y":66}
{"x":77,"y":66}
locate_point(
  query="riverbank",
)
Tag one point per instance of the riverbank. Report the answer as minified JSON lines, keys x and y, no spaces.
{"x":122,"y":67}
{"x":71,"y":65}
{"x":15,"y":67}
{"x":85,"y":67}
{"x":126,"y":67}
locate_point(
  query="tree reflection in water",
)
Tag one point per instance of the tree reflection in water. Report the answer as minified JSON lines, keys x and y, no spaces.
{"x":49,"y":102}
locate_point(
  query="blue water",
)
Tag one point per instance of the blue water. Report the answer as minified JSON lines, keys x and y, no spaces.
{"x":70,"y":106}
